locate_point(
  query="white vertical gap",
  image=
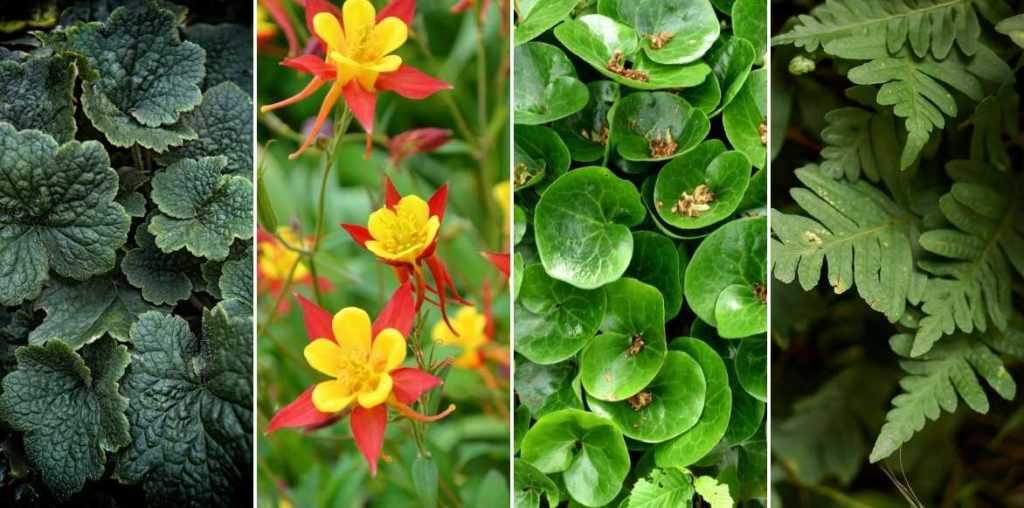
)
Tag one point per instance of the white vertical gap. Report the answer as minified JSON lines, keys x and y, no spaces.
{"x":511,"y":257}
{"x":768,"y":264}
{"x":255,"y":214}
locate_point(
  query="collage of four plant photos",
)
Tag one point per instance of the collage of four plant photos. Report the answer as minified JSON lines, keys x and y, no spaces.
{"x":528,"y":253}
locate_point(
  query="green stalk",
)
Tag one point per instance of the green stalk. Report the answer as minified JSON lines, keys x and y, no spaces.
{"x":343,"y":118}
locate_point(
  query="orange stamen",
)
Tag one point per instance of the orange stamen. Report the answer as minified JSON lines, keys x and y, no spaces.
{"x":325,"y":109}
{"x":312,"y":87}
{"x":411,"y":413}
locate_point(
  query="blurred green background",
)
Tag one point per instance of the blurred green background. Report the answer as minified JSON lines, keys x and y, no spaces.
{"x":470,"y":447}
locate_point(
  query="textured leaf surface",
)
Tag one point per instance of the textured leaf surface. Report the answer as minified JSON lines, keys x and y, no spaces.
{"x":555,"y":320}
{"x":201,"y":209}
{"x":199,"y":454}
{"x":691,"y":25}
{"x":646,"y":117}
{"x":228,"y":53}
{"x":935,"y":382}
{"x":532,"y":486}
{"x":733,"y":255}
{"x":163,"y":277}
{"x":546,"y":85}
{"x":80,"y":312}
{"x":139,"y":75}
{"x":714,"y":493}
{"x":57,"y":211}
{"x":223,"y":126}
{"x":69,"y":408}
{"x":534,"y":17}
{"x":37,"y":93}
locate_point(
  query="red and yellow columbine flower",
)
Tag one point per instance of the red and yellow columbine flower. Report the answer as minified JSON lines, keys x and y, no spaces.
{"x":404,"y":234}
{"x":364,"y":363}
{"x":358,"y":44}
{"x":468,"y":331}
{"x":276,"y":262}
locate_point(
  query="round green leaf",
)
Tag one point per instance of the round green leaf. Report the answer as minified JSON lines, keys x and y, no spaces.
{"x":747,"y":412}
{"x":696,"y":442}
{"x":725,"y":174}
{"x":704,"y":96}
{"x":656,"y":262}
{"x":745,"y":119}
{"x":629,"y":353}
{"x":540,"y":157}
{"x":750,"y":21}
{"x":731,"y":59}
{"x":534,"y":17}
{"x":597,"y":39}
{"x":650,"y":126}
{"x":555,"y":320}
{"x":586,"y":132}
{"x":546,"y":388}
{"x":581,"y":225}
{"x":674,"y":31}
{"x":587,"y":449}
{"x":752,"y":366}
{"x":740,"y":312}
{"x":546,"y":85}
{"x":667,"y":407}
{"x":733,"y":255}
{"x":531,"y":485}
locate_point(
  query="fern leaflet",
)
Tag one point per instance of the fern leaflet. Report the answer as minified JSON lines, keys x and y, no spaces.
{"x":973,"y":284}
{"x":862,"y":233}
{"x":934,"y":383}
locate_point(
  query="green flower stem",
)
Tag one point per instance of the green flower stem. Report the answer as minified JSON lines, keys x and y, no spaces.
{"x":343,"y":118}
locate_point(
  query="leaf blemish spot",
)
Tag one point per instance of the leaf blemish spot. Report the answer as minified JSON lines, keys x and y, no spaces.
{"x":617,"y":65}
{"x":812,"y":238}
{"x":635,"y":346}
{"x":761,"y":292}
{"x":640,"y":400}
{"x":660,"y":39}
{"x":662,"y":146}
{"x":696,"y":203}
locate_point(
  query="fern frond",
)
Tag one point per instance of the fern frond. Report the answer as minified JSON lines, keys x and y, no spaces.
{"x":859,"y":141}
{"x":995,"y":118}
{"x":863,"y":234}
{"x":918,"y":89}
{"x":935,"y":383}
{"x":971,"y":286}
{"x":925,"y":26}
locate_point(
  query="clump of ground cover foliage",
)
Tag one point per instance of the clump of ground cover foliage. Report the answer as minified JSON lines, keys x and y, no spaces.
{"x":897,"y":181}
{"x":125,"y":256}
{"x":640,"y":259}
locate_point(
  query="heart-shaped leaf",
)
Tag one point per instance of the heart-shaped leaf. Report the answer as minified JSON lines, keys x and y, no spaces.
{"x":613,"y":49}
{"x":656,"y":262}
{"x":555,"y":320}
{"x":631,"y":348}
{"x":665,"y":408}
{"x":741,"y":311}
{"x":546,"y":85}
{"x":692,"y":445}
{"x":582,"y":226}
{"x":673,"y":31}
{"x":586,"y":448}
{"x":534,"y":17}
{"x":701,"y":187}
{"x":38,"y":93}
{"x":540,"y":157}
{"x":586,"y":132}
{"x":57,"y":211}
{"x":651,"y":126}
{"x":752,"y":366}
{"x":745,"y":119}
{"x":732,"y":255}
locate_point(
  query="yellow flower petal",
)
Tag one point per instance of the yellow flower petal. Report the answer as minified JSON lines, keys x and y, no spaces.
{"x":388,"y":351}
{"x":367,"y":78}
{"x":389,"y":63}
{"x":433,"y":224}
{"x":381,"y":223}
{"x":352,"y":329}
{"x":359,"y":18}
{"x":388,"y":36}
{"x":442,"y":334}
{"x":379,"y":394}
{"x":331,"y":396}
{"x":412,"y":210}
{"x":329,"y":29}
{"x":324,"y":355}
